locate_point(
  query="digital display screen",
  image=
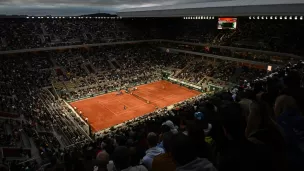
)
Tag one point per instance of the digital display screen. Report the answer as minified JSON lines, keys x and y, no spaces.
{"x":227,"y":23}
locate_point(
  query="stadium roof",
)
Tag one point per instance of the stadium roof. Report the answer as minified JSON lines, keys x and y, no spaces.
{"x":221,"y":8}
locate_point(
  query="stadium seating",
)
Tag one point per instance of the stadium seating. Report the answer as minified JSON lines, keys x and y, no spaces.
{"x":237,"y":127}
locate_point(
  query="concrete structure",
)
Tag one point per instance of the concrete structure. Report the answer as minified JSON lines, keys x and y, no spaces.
{"x":221,"y":8}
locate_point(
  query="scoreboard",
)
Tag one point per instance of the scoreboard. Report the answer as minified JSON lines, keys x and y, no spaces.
{"x":227,"y":23}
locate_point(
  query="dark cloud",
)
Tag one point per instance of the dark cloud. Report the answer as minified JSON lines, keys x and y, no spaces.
{"x":77,"y":7}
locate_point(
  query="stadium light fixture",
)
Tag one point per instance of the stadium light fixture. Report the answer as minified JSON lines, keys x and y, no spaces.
{"x":270,"y":17}
{"x":301,"y":18}
{"x":33,"y":17}
{"x":27,"y":17}
{"x":281,"y":18}
{"x":266,"y":18}
{"x":258,"y":17}
{"x":253,"y":18}
{"x":275,"y":17}
{"x":290,"y":18}
{"x":285,"y":17}
{"x":262,"y":18}
{"x":296,"y":18}
{"x":212,"y":18}
{"x":249,"y":17}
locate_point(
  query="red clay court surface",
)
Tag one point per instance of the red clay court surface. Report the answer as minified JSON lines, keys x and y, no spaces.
{"x":107,"y":110}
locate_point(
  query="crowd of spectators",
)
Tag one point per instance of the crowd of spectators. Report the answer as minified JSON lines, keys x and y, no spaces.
{"x":254,"y":34}
{"x":36,"y":33}
{"x":219,"y":70}
{"x":247,"y":128}
{"x":256,"y":126}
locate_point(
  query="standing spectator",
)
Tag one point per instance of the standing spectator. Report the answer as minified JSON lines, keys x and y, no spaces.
{"x":152,"y":151}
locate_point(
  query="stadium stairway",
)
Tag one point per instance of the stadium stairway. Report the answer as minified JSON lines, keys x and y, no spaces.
{"x":25,"y":140}
{"x":43,"y":28}
{"x":54,"y":62}
{"x":116,"y":63}
{"x":83,"y":66}
{"x":111,"y":64}
{"x":185,"y":68}
{"x":236,"y":75}
{"x":34,"y":151}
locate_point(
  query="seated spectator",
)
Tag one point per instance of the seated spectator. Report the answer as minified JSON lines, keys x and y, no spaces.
{"x":185,"y":156}
{"x":152,"y":151}
{"x":121,"y":159}
{"x":171,"y":125}
{"x":101,"y":161}
{"x":164,"y":162}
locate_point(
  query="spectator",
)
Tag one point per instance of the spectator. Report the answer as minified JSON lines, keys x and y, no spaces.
{"x":152,"y":151}
{"x":171,"y":125}
{"x":291,"y":120}
{"x":183,"y":151}
{"x":165,"y":162}
{"x":101,"y":162}
{"x":252,"y":154}
{"x":121,"y":159}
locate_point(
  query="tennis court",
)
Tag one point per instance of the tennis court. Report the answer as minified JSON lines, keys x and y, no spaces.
{"x":110,"y":109}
